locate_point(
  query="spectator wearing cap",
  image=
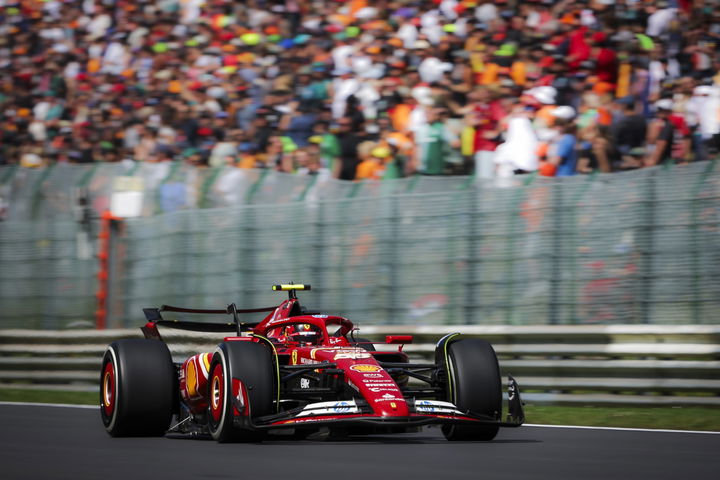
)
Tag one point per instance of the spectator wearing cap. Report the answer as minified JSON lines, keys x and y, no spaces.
{"x":543,"y":99}
{"x":431,"y":139}
{"x":147,"y":145}
{"x":660,"y":18}
{"x":227,"y":147}
{"x":319,"y":83}
{"x":407,"y":31}
{"x":327,"y":145}
{"x":593,"y":123}
{"x":704,"y":108}
{"x":309,"y":163}
{"x":343,"y":86}
{"x":372,"y":161}
{"x":297,"y":123}
{"x":349,"y":139}
{"x":260,"y":129}
{"x":562,"y":149}
{"x":401,"y":146}
{"x":660,"y":134}
{"x":682,"y":142}
{"x":518,"y":153}
{"x":628,"y":132}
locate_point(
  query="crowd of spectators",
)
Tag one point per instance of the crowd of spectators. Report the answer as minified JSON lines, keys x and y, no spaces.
{"x":362,"y":89}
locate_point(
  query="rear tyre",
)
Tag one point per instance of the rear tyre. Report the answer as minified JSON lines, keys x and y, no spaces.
{"x":474,"y":385}
{"x":137,"y":388}
{"x":253,"y":365}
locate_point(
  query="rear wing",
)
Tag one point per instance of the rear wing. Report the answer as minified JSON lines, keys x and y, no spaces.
{"x":154,"y":316}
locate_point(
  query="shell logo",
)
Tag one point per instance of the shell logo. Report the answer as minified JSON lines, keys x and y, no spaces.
{"x":365,"y":368}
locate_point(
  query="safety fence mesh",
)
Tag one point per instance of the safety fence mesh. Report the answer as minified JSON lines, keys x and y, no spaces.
{"x":635,"y":247}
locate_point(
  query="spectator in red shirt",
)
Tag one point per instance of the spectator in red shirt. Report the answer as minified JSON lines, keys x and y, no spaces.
{"x":606,"y":64}
{"x":487,"y":114}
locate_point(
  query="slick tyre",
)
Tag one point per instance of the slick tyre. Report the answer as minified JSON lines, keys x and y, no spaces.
{"x":474,"y":385}
{"x":137,"y":388}
{"x":240,"y":363}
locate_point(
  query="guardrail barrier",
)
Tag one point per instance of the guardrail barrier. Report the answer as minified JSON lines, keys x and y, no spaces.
{"x":581,"y":364}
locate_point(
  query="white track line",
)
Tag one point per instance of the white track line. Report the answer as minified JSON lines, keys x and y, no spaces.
{"x":579,"y":427}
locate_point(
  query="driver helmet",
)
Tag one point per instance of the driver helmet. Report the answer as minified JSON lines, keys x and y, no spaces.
{"x":303,"y":333}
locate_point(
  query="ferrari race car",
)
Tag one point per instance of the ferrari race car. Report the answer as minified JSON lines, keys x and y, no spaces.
{"x":298,"y":371}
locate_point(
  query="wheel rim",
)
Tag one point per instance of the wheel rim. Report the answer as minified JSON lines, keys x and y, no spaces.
{"x":108,"y":389}
{"x":217,"y":392}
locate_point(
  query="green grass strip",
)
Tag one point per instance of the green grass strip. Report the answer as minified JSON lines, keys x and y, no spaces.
{"x":49,"y":396}
{"x":671,"y":418}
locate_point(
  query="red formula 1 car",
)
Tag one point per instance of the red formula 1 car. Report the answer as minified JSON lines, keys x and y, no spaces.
{"x":299,"y":370}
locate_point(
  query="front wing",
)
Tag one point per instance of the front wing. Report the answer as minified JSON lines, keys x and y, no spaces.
{"x":358,"y":413}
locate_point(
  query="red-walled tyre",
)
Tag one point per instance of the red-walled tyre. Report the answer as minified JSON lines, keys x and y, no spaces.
{"x":254,"y":366}
{"x":474,"y":385}
{"x":137,"y":388}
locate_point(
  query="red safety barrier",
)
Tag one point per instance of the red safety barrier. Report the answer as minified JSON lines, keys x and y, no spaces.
{"x":103,"y":276}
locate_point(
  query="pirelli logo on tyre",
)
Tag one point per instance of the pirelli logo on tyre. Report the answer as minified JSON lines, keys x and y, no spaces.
{"x":365,"y":368}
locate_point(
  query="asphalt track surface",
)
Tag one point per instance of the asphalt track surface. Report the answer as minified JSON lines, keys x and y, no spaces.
{"x":45,"y":442}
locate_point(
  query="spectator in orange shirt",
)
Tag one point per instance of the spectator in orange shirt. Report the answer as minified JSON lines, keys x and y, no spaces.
{"x":372,"y":161}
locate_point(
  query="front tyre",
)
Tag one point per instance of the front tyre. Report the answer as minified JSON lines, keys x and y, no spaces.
{"x":137,"y":388}
{"x":234,"y":364}
{"x":473,"y":385}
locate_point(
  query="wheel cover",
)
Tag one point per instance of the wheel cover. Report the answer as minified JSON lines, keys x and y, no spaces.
{"x":217,"y":392}
{"x":108,"y":389}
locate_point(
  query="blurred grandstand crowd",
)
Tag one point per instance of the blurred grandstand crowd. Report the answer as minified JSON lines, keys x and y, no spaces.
{"x":362,"y":89}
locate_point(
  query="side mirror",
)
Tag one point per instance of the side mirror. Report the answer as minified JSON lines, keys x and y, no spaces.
{"x":398,"y":339}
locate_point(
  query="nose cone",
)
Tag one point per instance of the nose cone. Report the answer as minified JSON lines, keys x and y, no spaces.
{"x":377,"y":387}
{"x":389,"y":405}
